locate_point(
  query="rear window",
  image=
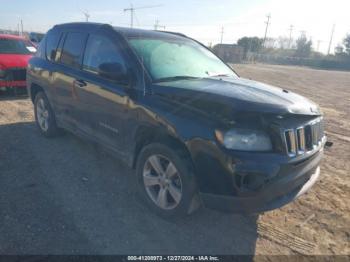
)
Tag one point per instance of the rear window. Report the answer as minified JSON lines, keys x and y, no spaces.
{"x":73,"y":49}
{"x":15,"y":46}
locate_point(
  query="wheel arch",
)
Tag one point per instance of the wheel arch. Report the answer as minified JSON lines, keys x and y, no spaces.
{"x":34,"y":90}
{"x":146,"y":135}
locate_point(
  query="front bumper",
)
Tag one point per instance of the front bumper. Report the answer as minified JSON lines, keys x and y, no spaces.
{"x":266,"y":201}
{"x":290,"y":183}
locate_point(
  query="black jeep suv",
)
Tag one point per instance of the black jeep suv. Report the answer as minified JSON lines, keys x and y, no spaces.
{"x":195,"y":132}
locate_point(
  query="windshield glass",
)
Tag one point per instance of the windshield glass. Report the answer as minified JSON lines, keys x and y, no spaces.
{"x":171,"y":58}
{"x":14,"y":46}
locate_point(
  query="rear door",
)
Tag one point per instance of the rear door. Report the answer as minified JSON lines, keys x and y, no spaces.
{"x":68,"y":70}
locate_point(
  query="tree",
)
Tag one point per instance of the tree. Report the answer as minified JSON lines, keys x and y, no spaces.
{"x":303,"y":47}
{"x":346,"y":43}
{"x":251,"y":44}
{"x":339,"y":50}
{"x":283,"y":42}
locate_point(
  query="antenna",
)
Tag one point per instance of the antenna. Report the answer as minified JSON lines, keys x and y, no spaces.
{"x":132,"y":9}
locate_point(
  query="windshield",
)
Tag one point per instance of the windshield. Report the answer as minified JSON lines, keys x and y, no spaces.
{"x":14,"y":46}
{"x":174,"y":58}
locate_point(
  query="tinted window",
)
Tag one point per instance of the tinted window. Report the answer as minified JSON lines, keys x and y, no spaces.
{"x":73,"y":49}
{"x":52,"y":39}
{"x":101,"y":50}
{"x":16,"y":46}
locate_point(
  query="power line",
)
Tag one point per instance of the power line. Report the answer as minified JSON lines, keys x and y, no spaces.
{"x":330,"y":41}
{"x":267,"y":26}
{"x":132,"y":9}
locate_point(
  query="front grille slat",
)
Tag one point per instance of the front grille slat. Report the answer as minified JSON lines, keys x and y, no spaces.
{"x":301,"y":140}
{"x":16,"y":74}
{"x":304,"y":138}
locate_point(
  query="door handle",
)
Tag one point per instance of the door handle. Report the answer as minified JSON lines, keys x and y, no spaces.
{"x":79,"y":83}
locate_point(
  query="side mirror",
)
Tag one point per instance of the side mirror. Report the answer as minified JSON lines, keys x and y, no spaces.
{"x":113,"y":71}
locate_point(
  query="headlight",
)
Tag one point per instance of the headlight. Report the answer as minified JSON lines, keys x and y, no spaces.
{"x":244,"y":140}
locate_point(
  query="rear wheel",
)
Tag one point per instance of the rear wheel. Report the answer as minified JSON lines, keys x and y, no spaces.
{"x":166,"y":180}
{"x":44,"y":116}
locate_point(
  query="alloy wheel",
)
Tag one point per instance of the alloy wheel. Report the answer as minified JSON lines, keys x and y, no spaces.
{"x":42,"y":114}
{"x":162,"y":182}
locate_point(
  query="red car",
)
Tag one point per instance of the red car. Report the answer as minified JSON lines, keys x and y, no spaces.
{"x":15,"y":51}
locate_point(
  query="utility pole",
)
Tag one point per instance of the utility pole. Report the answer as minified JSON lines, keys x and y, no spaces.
{"x":290,"y":36}
{"x":267,"y":26}
{"x":87,"y":16}
{"x":302,"y":33}
{"x":18,"y":28}
{"x":132,"y":9}
{"x":330,"y":41}
{"x":21,"y":27}
{"x":222,"y":34}
{"x":157,"y":25}
{"x":318,"y":45}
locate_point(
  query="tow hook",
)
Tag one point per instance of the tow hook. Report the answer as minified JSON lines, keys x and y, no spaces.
{"x":328,"y":144}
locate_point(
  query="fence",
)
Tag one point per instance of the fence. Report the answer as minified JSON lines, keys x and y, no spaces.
{"x":322,"y":63}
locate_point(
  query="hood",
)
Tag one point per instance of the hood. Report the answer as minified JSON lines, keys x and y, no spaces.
{"x":14,"y":60}
{"x":228,"y":95}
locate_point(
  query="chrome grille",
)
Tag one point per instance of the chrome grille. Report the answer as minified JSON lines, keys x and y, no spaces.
{"x":304,"y":138}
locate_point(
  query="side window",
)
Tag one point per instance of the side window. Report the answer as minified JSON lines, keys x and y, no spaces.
{"x":73,"y":49}
{"x":101,"y":51}
{"x":41,"y":51}
{"x":52,"y":39}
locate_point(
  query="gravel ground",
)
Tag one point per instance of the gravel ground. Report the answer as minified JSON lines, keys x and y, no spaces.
{"x":67,"y":196}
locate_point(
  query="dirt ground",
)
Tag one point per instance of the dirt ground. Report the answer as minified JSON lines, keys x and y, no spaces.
{"x":66,"y":196}
{"x":322,"y":217}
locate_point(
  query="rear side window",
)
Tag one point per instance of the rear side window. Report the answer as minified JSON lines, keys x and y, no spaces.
{"x":73,"y":49}
{"x":101,"y":50}
{"x":52,"y":39}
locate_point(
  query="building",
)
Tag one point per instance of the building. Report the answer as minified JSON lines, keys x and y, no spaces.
{"x":229,"y":53}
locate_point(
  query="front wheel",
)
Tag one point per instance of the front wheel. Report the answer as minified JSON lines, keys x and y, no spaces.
{"x":166,"y":180}
{"x":44,"y":116}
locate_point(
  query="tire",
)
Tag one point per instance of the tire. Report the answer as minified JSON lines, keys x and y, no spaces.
{"x":44,"y":116}
{"x":181,"y":180}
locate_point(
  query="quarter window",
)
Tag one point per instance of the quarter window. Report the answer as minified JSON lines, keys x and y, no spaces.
{"x":73,"y":49}
{"x":101,"y":50}
{"x":52,"y":40}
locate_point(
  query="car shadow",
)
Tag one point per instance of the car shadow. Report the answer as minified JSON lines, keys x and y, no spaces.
{"x":12,"y":95}
{"x":68,"y":196}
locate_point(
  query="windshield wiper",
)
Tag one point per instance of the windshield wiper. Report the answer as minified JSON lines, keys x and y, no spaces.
{"x":219,"y":75}
{"x":174,"y":78}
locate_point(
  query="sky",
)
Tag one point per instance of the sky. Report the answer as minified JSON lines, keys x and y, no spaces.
{"x":199,"y":19}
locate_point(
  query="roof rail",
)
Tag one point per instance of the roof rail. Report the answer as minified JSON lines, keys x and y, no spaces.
{"x":169,"y":32}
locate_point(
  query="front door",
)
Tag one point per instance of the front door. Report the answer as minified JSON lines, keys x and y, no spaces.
{"x":103,"y":100}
